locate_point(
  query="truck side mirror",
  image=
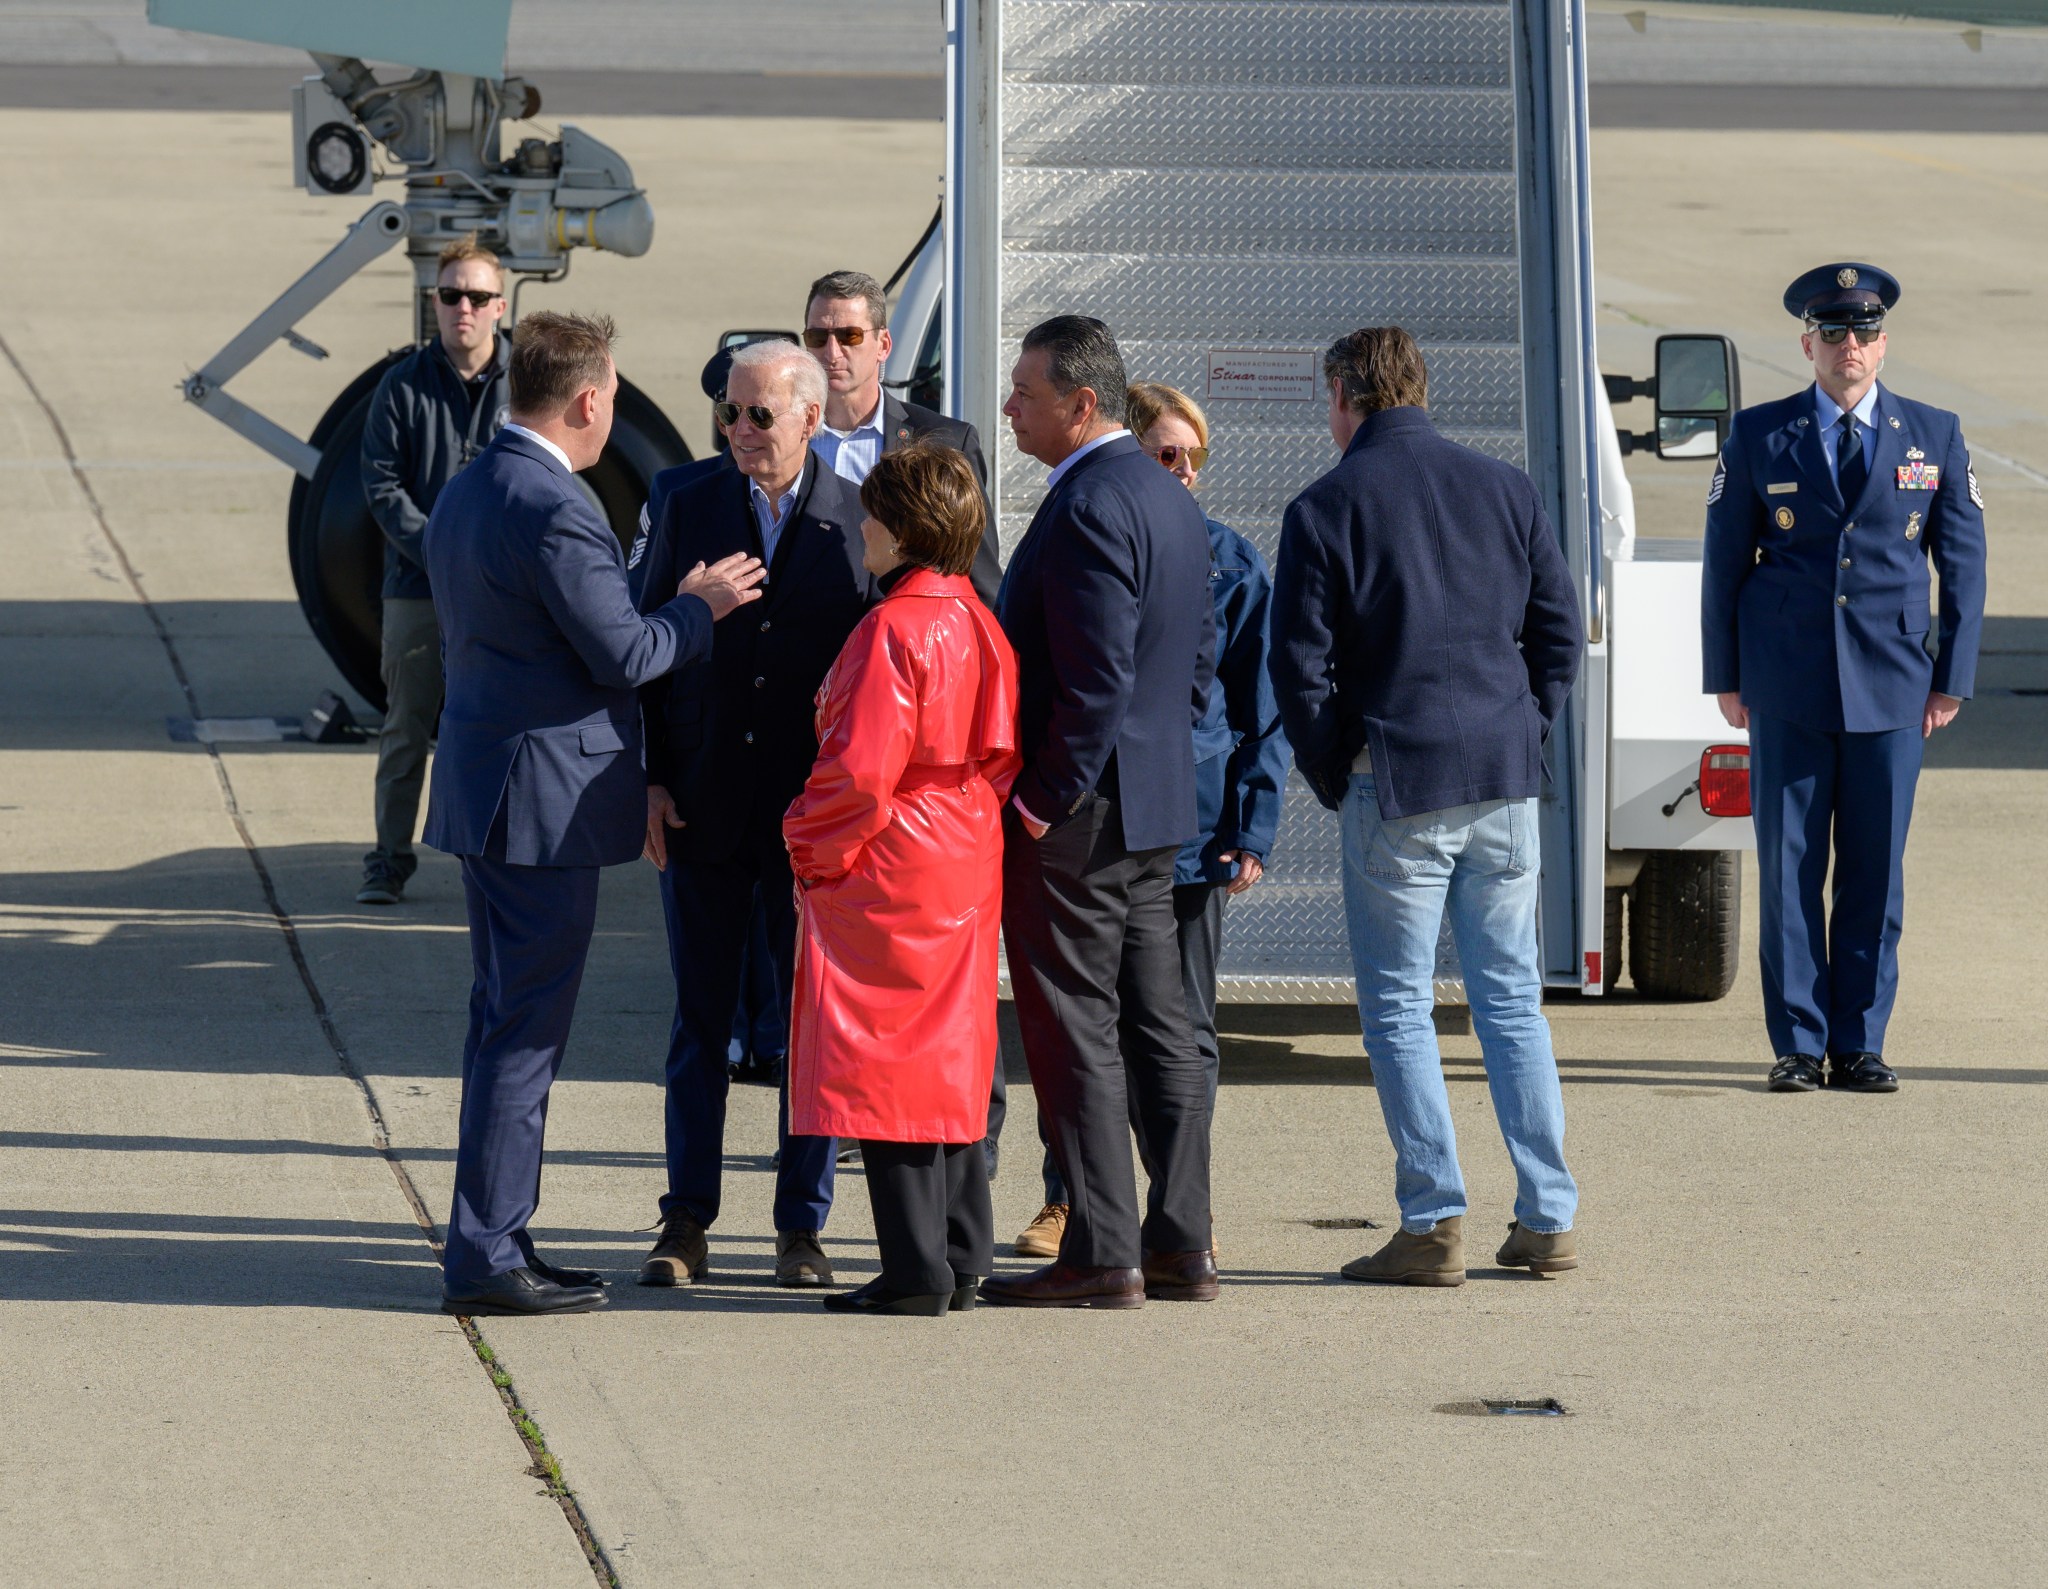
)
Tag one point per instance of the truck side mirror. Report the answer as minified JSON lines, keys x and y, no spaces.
{"x":1699,"y":388}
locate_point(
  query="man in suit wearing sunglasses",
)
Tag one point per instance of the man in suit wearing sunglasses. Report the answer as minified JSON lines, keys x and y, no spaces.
{"x":846,"y":328}
{"x":1823,"y":516}
{"x":730,"y":742}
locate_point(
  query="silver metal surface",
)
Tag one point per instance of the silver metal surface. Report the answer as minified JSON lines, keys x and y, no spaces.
{"x":1258,"y":175}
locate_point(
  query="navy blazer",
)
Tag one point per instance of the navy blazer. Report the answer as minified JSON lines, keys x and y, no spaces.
{"x":732,"y":737}
{"x":1422,"y":608}
{"x":1106,"y":602}
{"x":1816,"y":610}
{"x":539,"y":758}
{"x":1240,"y":751}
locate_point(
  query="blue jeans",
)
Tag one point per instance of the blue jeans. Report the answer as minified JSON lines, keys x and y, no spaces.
{"x":1398,"y":877}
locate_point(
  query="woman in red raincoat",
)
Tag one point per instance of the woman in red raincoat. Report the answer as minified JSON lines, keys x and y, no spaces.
{"x":897,"y":847}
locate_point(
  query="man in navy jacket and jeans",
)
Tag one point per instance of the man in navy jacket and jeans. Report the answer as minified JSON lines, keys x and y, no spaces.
{"x":1425,"y":636}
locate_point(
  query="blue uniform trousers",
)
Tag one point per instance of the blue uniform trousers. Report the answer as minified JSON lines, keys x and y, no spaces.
{"x":710,"y":905}
{"x":529,"y":934}
{"x":1830,"y":975}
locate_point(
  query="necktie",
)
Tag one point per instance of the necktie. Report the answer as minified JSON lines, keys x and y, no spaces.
{"x":1850,"y":470}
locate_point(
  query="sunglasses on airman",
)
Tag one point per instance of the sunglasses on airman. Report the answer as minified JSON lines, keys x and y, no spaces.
{"x":478,"y":299}
{"x":1832,"y":335}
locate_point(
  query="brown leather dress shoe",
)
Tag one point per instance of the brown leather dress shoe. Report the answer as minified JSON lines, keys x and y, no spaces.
{"x":1066,"y":1285}
{"x":1180,"y":1276}
{"x":800,"y":1259}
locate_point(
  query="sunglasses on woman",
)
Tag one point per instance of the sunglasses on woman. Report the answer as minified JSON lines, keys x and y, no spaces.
{"x":728,"y":415}
{"x":479,"y":300}
{"x":816,"y":337}
{"x":1834,"y":334}
{"x":1197,"y":457}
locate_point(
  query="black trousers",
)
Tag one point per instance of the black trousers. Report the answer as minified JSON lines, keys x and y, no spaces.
{"x":933,"y":1222}
{"x":1198,"y":923}
{"x":1095,"y":967}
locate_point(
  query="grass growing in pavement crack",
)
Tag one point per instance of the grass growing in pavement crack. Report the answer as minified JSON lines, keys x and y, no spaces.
{"x":545,"y":1466}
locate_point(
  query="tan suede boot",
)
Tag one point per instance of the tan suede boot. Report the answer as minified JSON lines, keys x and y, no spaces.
{"x":1434,"y":1259}
{"x":1535,"y":1251}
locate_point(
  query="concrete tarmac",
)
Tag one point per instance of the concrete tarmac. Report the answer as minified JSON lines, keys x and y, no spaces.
{"x":1805,"y":1343}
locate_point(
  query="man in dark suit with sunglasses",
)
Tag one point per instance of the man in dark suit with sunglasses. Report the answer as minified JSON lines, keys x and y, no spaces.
{"x":1824,"y":514}
{"x":730,"y":741}
{"x":846,"y":328}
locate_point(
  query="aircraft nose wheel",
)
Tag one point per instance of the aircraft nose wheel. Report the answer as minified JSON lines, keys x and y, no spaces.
{"x":337,"y":551}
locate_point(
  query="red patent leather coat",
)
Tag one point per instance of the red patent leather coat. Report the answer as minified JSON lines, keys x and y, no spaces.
{"x":897,"y":846}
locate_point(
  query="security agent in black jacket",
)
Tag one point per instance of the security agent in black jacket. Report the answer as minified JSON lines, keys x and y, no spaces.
{"x":432,"y":412}
{"x":730,"y":741}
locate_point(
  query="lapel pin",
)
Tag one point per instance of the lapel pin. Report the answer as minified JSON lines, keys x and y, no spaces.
{"x":1895,"y":424}
{"x":1802,"y":424}
{"x":1784,"y":518}
{"x":1914,"y":454}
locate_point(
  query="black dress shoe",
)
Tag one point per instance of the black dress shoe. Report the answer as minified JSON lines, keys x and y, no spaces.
{"x":966,"y":1290}
{"x":519,"y":1291}
{"x":564,"y":1277}
{"x":1861,"y":1073}
{"x":876,"y":1298}
{"x":1795,"y":1073}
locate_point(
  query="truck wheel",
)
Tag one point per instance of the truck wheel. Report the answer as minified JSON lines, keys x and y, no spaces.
{"x":1684,"y":924}
{"x":1610,"y":940}
{"x":337,"y":551}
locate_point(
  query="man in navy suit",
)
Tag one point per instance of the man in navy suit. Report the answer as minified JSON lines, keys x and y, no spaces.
{"x":731,"y":739}
{"x":1822,"y":519}
{"x":538,"y":781}
{"x":1425,"y":638}
{"x":1106,"y":601}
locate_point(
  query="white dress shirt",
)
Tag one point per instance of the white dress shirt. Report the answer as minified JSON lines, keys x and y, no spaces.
{"x":544,"y":444}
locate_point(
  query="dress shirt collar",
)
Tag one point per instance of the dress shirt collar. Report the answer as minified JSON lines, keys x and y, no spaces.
{"x":1829,"y":411}
{"x":541,"y":442}
{"x":873,"y":422}
{"x":1059,"y":470}
{"x":773,"y":514}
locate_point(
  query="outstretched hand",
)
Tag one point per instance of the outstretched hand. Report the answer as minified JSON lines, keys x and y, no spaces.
{"x":725,"y":585}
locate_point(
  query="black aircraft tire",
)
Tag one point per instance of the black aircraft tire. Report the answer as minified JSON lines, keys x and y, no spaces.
{"x":337,"y":551}
{"x":1685,"y":924}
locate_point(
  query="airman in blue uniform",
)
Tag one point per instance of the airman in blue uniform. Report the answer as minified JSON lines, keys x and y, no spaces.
{"x":1823,"y":518}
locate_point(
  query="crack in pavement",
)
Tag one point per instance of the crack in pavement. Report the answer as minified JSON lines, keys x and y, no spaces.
{"x":545,"y":1464}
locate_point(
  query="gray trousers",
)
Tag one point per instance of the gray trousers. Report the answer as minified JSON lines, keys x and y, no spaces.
{"x":412,"y":693}
{"x":1198,"y":923}
{"x":1095,"y":966}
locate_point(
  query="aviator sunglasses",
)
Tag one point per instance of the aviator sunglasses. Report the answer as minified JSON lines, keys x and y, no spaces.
{"x":1831,"y":335}
{"x":816,"y":337}
{"x":728,"y":415}
{"x":478,"y":299}
{"x":1197,"y":457}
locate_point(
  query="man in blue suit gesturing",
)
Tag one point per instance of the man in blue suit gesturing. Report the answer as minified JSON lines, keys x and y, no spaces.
{"x":539,"y":780}
{"x":1822,"y":519}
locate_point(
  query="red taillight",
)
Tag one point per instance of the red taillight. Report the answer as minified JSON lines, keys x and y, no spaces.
{"x":1724,"y":781}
